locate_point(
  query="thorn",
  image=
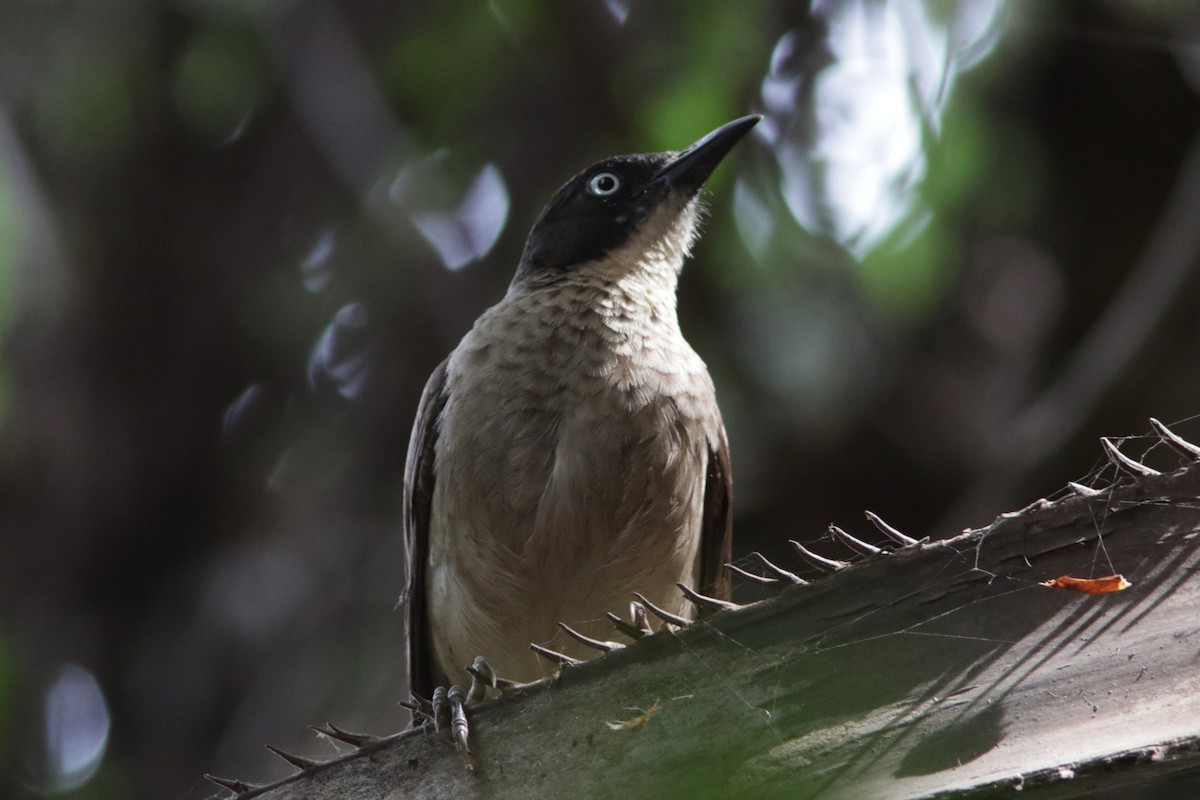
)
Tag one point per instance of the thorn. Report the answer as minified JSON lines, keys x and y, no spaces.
{"x":704,"y":602}
{"x":887,"y":530}
{"x":662,"y":613}
{"x":760,"y":579}
{"x":778,"y":571}
{"x":420,"y":708}
{"x":458,"y":719}
{"x":1122,"y":461}
{"x":300,"y":762}
{"x":562,"y":659}
{"x":439,"y":707}
{"x":857,"y":545}
{"x":604,"y":646}
{"x":632,"y":631}
{"x":334,"y":732}
{"x":1181,"y":445}
{"x":831,"y":564}
{"x":1084,"y":491}
{"x":233,"y":785}
{"x":419,"y":715}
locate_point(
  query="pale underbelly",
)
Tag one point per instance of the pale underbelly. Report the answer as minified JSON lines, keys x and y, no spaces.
{"x":503,"y":635}
{"x":598,"y":527}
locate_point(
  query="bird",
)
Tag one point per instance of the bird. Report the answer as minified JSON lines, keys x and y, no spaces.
{"x":570,"y":451}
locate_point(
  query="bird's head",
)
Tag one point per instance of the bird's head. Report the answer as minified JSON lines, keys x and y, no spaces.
{"x":627,"y":212}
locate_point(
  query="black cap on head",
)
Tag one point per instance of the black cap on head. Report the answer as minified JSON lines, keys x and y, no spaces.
{"x":598,"y":209}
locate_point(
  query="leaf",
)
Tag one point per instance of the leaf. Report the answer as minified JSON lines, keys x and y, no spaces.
{"x":1105,"y":585}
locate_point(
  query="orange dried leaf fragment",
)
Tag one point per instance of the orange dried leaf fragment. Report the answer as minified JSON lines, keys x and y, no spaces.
{"x":1109,"y":583}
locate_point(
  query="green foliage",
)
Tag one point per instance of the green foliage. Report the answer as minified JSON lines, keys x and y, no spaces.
{"x":701,"y":92}
{"x":443,"y":67}
{"x":906,"y":280}
{"x":980,"y":150}
{"x":219,"y":81}
{"x":908,"y":277}
{"x":85,"y":110}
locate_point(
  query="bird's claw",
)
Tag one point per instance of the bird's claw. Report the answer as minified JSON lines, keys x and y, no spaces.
{"x":484,"y":677}
{"x":639,"y":627}
{"x":439,"y":704}
{"x":448,"y":707}
{"x":458,"y":719}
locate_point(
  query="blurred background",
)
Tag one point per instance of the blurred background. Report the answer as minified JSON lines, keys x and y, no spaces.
{"x":235,"y":238}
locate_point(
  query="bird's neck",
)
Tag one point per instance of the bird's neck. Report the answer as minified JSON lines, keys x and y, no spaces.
{"x":625,"y":294}
{"x":636,"y":282}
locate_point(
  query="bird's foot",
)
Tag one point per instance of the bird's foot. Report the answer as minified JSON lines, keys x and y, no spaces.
{"x":453,"y":703}
{"x":447,"y":708}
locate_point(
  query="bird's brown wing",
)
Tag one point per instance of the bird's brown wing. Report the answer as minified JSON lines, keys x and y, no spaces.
{"x":716,"y":531}
{"x":419,"y":479}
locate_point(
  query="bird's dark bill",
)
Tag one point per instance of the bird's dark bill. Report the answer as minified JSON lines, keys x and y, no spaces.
{"x":691,"y":168}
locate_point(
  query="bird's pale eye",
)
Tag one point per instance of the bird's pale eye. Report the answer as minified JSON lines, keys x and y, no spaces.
{"x":603,"y":184}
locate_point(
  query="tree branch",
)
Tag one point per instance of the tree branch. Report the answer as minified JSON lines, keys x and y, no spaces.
{"x":941,"y":669}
